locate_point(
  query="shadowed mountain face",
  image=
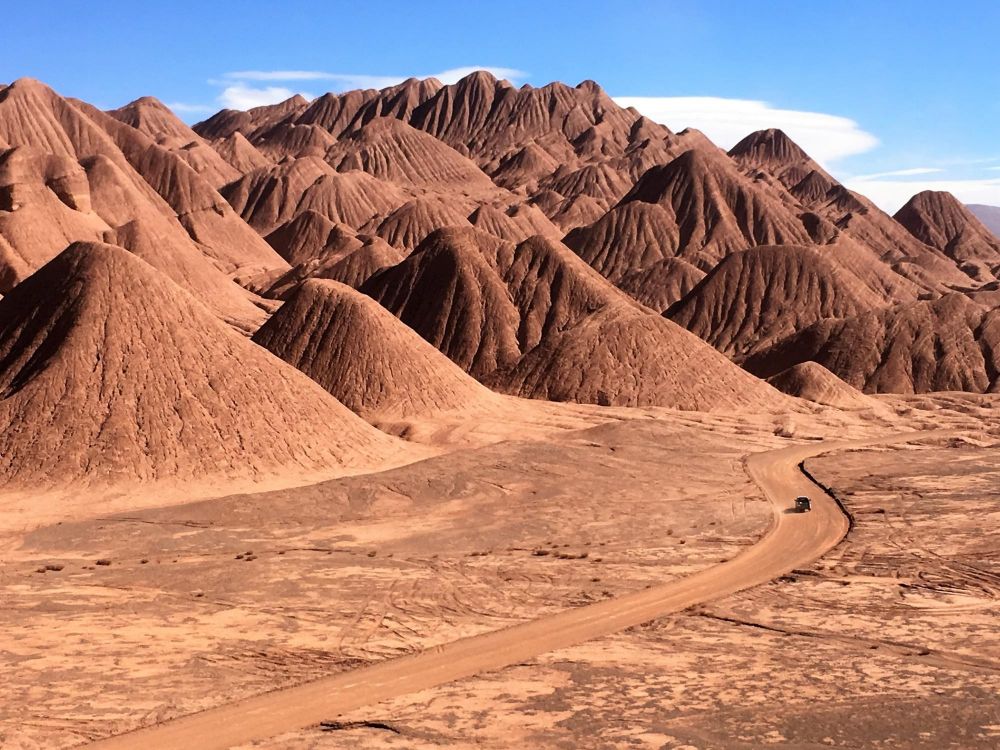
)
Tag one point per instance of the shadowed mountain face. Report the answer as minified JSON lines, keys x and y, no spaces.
{"x":660,"y":285}
{"x":359,"y":352}
{"x":840,"y":217}
{"x":534,"y":320}
{"x":758,"y":296}
{"x":948,"y":344}
{"x":937,"y":219}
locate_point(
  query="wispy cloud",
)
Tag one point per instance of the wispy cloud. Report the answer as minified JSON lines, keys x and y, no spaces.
{"x":825,"y":137}
{"x":911,"y":172}
{"x":366,"y":80}
{"x":454,"y":75}
{"x":241,"y":96}
{"x":239,"y":92}
{"x":280,"y":75}
{"x":190,"y":109}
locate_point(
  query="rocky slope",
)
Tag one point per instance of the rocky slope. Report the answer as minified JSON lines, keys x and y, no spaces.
{"x":756,"y":297}
{"x":937,"y":219}
{"x":534,"y":320}
{"x":947,"y":344}
{"x":111,"y":372}
{"x":815,"y":383}
{"x":364,"y":356}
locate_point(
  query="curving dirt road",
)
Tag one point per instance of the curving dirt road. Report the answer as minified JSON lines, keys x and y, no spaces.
{"x":793,"y":541}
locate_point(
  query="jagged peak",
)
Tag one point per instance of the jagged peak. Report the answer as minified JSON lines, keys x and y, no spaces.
{"x":644,"y":128}
{"x":296,"y":101}
{"x":934,"y":200}
{"x":477,"y":79}
{"x":427,"y":86}
{"x":590,"y":87}
{"x":939,"y":219}
{"x":27,"y":83}
{"x":771,"y":146}
{"x":145,"y":101}
{"x":694,"y":164}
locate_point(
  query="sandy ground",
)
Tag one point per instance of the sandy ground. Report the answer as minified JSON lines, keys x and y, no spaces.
{"x":892,"y":641}
{"x":205,"y":602}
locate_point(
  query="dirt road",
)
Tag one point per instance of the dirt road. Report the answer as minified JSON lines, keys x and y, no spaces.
{"x":794,"y":540}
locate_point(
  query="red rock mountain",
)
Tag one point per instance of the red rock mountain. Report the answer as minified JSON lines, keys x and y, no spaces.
{"x":571,"y":141}
{"x":396,"y":152}
{"x":268,"y":197}
{"x":947,"y":344}
{"x":363,"y":355}
{"x":240,"y":154}
{"x":79,"y":173}
{"x":151,"y":117}
{"x":814,"y":382}
{"x":446,"y":204}
{"x":310,"y":236}
{"x":756,"y":297}
{"x":871,"y":238}
{"x":628,"y":238}
{"x":407,"y":225}
{"x":348,"y":258}
{"x":534,"y":320}
{"x":939,"y":220}
{"x":110,"y":371}
{"x":229,"y":121}
{"x":650,"y":210}
{"x":205,"y":216}
{"x":716,"y":209}
{"x":660,"y":285}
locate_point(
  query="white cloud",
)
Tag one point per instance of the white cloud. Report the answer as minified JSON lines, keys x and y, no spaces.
{"x":890,"y":195}
{"x":824,"y":137}
{"x":240,"y":93}
{"x":279,"y":75}
{"x":900,"y":173}
{"x":367,"y":81}
{"x":241,"y":96}
{"x":454,"y":75}
{"x":190,"y":109}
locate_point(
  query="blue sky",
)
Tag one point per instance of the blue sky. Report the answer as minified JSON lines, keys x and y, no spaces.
{"x":891,"y":96}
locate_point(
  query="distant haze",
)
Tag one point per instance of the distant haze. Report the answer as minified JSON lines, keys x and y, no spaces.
{"x":989,"y":215}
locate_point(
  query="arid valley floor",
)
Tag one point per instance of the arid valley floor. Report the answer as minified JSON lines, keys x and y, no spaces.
{"x":203,"y":603}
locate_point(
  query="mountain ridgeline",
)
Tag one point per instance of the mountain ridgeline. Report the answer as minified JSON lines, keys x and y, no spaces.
{"x":251,"y":281}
